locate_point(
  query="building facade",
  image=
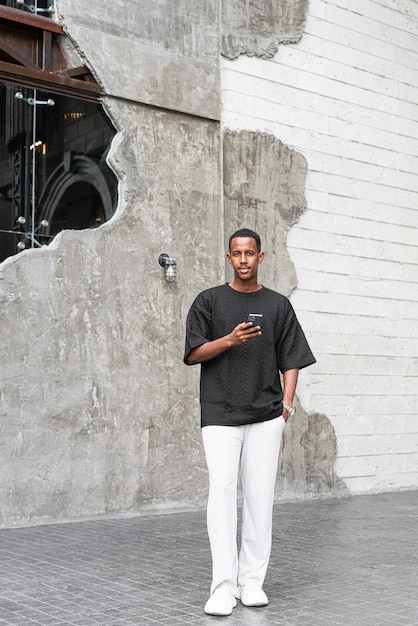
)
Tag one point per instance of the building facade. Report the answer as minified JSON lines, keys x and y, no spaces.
{"x":298,"y":119}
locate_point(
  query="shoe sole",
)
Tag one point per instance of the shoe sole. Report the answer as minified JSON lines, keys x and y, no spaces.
{"x":255,"y":605}
{"x":218,"y":613}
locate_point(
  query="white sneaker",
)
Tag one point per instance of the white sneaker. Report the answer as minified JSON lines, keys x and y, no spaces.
{"x":221,"y":602}
{"x":251,"y":594}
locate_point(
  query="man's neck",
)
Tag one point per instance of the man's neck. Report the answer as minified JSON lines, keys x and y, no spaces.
{"x":245,"y":287}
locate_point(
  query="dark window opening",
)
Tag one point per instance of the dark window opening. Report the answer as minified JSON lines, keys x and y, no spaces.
{"x":53,"y":171}
{"x":46,"y":8}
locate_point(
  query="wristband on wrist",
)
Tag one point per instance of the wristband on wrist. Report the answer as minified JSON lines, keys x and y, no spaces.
{"x":290,"y":409}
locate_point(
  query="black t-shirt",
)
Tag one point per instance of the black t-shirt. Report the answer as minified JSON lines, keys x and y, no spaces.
{"x":242,"y":385}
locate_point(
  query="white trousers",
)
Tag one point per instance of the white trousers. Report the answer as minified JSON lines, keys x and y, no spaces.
{"x":251,"y":451}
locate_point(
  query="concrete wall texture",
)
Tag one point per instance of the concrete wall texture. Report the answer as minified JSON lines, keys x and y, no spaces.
{"x":314,"y":143}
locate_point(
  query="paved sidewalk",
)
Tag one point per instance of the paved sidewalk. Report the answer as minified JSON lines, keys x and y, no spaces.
{"x":345,"y":561}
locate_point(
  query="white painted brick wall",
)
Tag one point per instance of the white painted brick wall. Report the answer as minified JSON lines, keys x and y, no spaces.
{"x":346,"y":97}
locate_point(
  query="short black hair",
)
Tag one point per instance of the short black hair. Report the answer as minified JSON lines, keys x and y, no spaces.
{"x":245,"y":232}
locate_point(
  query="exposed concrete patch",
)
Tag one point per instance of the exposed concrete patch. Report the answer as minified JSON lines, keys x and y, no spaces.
{"x":264,"y":189}
{"x":157,"y":52}
{"x":98,"y":413}
{"x":308,"y":458}
{"x":257,"y":27}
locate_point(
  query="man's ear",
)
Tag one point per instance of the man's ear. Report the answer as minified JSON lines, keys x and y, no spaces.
{"x":260,"y":257}
{"x":228,"y":256}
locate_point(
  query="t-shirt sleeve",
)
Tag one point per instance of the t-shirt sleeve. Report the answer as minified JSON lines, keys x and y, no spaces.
{"x":198,"y":324}
{"x":292,"y":350}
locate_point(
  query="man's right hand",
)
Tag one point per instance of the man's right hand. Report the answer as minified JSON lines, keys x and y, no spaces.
{"x":210,"y":350}
{"x":243,"y":333}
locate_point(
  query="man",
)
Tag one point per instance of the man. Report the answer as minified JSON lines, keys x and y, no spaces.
{"x":243,"y":414}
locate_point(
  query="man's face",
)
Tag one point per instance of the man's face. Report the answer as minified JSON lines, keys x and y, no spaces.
{"x":245,"y":258}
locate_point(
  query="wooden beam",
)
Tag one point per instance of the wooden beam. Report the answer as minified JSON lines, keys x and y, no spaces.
{"x":74,"y":71}
{"x":49,"y":81}
{"x":14,"y":54}
{"x":29,"y":19}
{"x":20,"y":27}
{"x":47,"y":51}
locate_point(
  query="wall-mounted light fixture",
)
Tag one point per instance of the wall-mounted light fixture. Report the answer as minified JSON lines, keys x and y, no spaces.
{"x":169,"y":265}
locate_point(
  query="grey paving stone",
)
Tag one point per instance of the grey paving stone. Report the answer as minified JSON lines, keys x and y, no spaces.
{"x":345,"y":561}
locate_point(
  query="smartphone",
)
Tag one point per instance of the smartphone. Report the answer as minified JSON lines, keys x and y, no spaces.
{"x":256,"y":318}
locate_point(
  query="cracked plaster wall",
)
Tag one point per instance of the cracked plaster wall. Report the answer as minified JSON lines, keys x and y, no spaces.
{"x":96,"y":408}
{"x":98,"y":413}
{"x":257,"y":27}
